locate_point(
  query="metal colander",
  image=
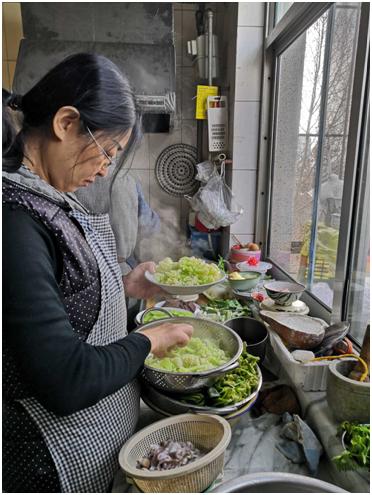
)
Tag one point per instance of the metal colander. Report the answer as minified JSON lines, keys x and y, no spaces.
{"x":224,"y":337}
{"x":175,"y":169}
{"x":210,"y":434}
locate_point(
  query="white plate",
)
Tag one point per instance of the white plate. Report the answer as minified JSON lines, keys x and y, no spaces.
{"x":183,"y":290}
{"x":262,"y":267}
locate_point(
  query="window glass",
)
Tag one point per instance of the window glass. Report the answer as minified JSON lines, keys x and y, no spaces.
{"x":314,"y":93}
{"x":359,"y":301}
{"x":280,"y":9}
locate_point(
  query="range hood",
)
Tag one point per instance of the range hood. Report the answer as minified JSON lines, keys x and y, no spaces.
{"x":138,"y":37}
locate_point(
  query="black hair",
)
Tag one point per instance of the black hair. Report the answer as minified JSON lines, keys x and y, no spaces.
{"x":89,"y":82}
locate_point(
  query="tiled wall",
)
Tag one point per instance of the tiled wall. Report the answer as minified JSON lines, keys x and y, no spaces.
{"x":249,"y":52}
{"x":12,"y":34}
{"x":242,"y":77}
{"x":173,"y":211}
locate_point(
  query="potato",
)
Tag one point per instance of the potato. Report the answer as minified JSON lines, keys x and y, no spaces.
{"x":253,"y":247}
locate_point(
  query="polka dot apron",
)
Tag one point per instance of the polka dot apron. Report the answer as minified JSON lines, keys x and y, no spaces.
{"x":85,"y":445}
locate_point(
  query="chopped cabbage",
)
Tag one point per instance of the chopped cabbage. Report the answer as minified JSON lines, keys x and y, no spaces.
{"x":198,"y":355}
{"x":187,"y":271}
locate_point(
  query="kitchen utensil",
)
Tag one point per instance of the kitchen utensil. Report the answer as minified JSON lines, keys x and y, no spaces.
{"x":167,"y":313}
{"x":298,"y":307}
{"x":262,"y":267}
{"x":333,"y":334}
{"x":228,"y":340}
{"x":183,"y":290}
{"x":245,"y":255}
{"x":229,"y":417}
{"x":210,"y":434}
{"x":175,"y":169}
{"x":284,"y":293}
{"x":349,"y":400}
{"x":276,"y":483}
{"x":174,"y":405}
{"x":252,"y":332}
{"x":297,"y":331}
{"x":236,"y":240}
{"x":250,"y":281}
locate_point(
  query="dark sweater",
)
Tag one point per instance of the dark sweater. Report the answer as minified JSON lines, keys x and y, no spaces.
{"x":63,"y":372}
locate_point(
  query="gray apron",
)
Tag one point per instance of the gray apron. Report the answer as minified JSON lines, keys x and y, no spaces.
{"x":85,"y":445}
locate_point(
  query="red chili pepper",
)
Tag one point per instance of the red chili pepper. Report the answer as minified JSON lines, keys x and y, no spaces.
{"x":252,"y":261}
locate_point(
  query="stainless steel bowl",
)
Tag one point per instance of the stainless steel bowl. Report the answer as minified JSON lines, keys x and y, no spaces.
{"x":276,"y":483}
{"x":227,"y":340}
{"x":173,"y":405}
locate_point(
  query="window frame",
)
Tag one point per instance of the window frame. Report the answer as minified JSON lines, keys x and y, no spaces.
{"x":298,"y":18}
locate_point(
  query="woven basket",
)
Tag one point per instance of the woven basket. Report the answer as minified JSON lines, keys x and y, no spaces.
{"x":208,"y":433}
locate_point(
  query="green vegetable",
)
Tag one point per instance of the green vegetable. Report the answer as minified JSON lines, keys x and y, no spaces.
{"x":356,"y":455}
{"x":231,"y":388}
{"x":197,"y":398}
{"x":198,"y":355}
{"x":159,"y":315}
{"x":221,"y":264}
{"x":237,"y":384}
{"x":224,"y":309}
{"x":186,"y":271}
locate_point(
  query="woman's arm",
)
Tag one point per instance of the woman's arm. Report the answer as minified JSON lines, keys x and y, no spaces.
{"x":64,"y":373}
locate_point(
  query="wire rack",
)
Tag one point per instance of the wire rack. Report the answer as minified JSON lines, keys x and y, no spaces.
{"x":175,"y":169}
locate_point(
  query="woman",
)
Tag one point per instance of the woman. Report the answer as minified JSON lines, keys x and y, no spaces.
{"x":70,"y":398}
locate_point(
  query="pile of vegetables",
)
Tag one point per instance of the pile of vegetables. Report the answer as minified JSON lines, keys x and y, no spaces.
{"x":356,"y":454}
{"x":231,"y":388}
{"x":197,"y":355}
{"x":223,"y":310}
{"x":187,"y":271}
{"x":168,"y":454}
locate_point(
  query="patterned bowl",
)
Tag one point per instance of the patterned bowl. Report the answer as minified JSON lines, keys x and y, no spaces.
{"x":284,"y":293}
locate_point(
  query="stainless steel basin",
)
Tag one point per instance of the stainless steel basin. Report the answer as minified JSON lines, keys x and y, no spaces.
{"x":276,"y":483}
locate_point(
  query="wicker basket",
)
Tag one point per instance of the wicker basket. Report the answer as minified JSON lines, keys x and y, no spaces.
{"x":208,"y":433}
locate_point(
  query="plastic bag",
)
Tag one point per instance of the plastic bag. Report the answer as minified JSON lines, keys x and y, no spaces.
{"x":214,"y":202}
{"x":206,"y":170}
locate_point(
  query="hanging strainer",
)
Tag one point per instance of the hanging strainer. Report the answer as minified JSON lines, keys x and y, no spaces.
{"x":175,"y":169}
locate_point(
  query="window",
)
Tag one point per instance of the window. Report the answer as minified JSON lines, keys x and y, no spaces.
{"x":280,"y":9}
{"x":309,"y":186}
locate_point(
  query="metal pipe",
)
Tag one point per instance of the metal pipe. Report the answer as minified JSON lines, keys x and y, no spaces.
{"x":210,"y":45}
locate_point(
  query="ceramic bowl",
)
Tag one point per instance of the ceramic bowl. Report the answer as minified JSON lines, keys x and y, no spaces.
{"x":238,"y":255}
{"x":250,"y":281}
{"x":284,"y":293}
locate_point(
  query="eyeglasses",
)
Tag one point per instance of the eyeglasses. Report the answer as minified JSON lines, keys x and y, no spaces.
{"x":111,"y":161}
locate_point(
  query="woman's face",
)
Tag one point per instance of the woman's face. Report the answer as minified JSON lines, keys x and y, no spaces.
{"x":73,"y":156}
{"x":93,"y":160}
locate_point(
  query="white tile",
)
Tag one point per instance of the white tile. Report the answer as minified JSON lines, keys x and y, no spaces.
{"x":251,"y":14}
{"x":243,"y":238}
{"x":158,"y":143}
{"x":244,"y":189}
{"x":178,"y":35}
{"x":189,"y":132}
{"x":178,"y":113}
{"x":246,"y":135}
{"x":189,"y":6}
{"x":188,"y":79}
{"x":249,"y":63}
{"x":188,"y":33}
{"x":171,"y":240}
{"x":143,"y":177}
{"x":140,"y":157}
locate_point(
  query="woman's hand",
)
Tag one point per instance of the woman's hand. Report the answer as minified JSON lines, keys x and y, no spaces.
{"x":167,"y":335}
{"x":137,"y":286}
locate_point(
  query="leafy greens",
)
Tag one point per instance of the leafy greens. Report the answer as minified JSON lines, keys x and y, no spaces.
{"x":197,"y":355}
{"x":356,"y":454}
{"x":187,"y":271}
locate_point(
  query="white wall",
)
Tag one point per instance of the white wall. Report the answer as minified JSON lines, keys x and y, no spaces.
{"x":247,"y":101}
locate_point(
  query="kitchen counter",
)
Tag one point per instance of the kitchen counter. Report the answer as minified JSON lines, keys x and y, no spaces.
{"x":252,"y":448}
